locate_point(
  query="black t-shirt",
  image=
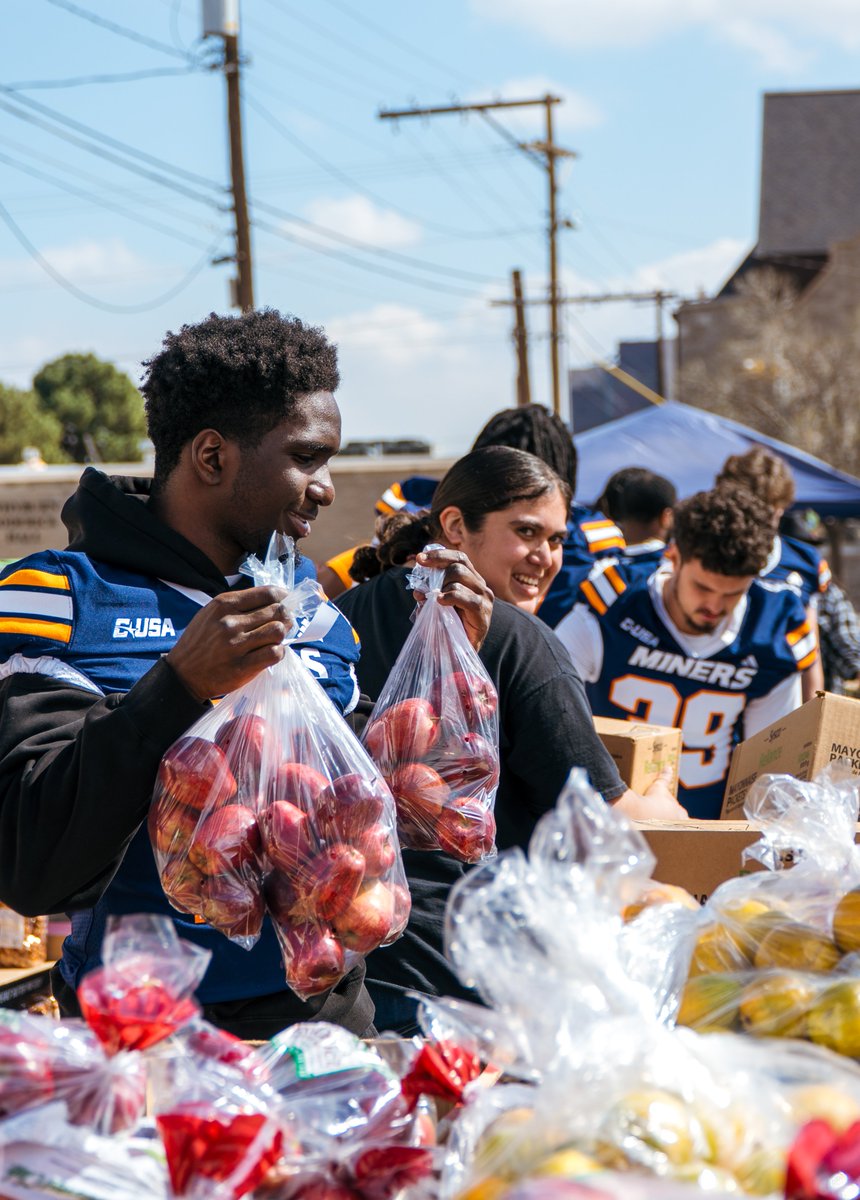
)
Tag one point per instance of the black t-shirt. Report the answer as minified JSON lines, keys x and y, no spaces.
{"x":545,"y":729}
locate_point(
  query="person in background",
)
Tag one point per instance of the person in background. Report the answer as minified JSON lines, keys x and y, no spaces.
{"x":838,"y":621}
{"x":112,"y":648}
{"x":505,"y":513}
{"x":413,"y":494}
{"x":791,"y":563}
{"x":640,"y":502}
{"x":702,"y":644}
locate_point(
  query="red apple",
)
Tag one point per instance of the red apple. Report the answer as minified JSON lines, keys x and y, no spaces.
{"x":228,"y":840}
{"x":377,"y":846}
{"x":349,"y":805}
{"x":182,"y":882}
{"x":388,"y":1170}
{"x":232,"y":905}
{"x":108,"y":1103}
{"x":405,"y":732}
{"x":196,"y":772}
{"x":402,"y":908}
{"x":243,"y":739}
{"x":287,"y":836}
{"x":324,"y":1187}
{"x":330,"y":881}
{"x":298,"y":783}
{"x":467,"y":760}
{"x":171,"y":826}
{"x":282,"y":898}
{"x":313,"y":958}
{"x":210,"y":1042}
{"x":367,"y":922}
{"x":461,"y":691}
{"x":26,"y":1078}
{"x":419,"y":793}
{"x":465,"y":830}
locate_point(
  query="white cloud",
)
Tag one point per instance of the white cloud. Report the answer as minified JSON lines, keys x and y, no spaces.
{"x":577,"y":111}
{"x":81,"y":262}
{"x":358,"y":217}
{"x":776,"y":31}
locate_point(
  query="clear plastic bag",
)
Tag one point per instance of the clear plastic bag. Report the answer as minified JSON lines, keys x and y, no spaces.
{"x":44,"y":1061}
{"x":582,"y":1017}
{"x":778,"y":951}
{"x":143,"y":992}
{"x":434,"y":733}
{"x":270,"y":804}
{"x":222,"y":1135}
{"x":357,"y":1134}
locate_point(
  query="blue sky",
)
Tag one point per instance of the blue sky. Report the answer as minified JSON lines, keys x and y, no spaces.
{"x":662,"y":105}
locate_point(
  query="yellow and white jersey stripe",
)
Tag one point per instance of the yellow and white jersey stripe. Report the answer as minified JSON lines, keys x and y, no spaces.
{"x":603,"y":586}
{"x":602,"y":535}
{"x":804,"y":645}
{"x":38,"y":604}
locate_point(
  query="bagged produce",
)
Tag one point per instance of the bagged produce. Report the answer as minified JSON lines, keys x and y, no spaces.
{"x":43,"y":1061}
{"x":357,"y":1136}
{"x":143,"y":992}
{"x":269,"y":804}
{"x":434,"y":733}
{"x":777,"y":950}
{"x":601,"y":1083}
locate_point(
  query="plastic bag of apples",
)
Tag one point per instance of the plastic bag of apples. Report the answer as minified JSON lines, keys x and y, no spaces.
{"x":434,"y":734}
{"x":270,"y":804}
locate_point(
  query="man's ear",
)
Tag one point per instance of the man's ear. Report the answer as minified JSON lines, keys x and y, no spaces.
{"x":673,"y":554}
{"x":211,"y":457}
{"x":453,"y":526}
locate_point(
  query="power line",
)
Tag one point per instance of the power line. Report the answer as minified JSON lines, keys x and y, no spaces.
{"x":121,"y":30}
{"x":80,"y":80}
{"x":363,"y":20}
{"x":375,"y":268}
{"x":95,"y":198}
{"x":94,"y":301}
{"x":343,"y":177}
{"x":124,"y":147}
{"x":330,"y":36}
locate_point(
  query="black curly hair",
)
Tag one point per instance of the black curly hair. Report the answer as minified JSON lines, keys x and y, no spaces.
{"x":536,"y":430}
{"x":729,"y":530}
{"x":240,"y":375}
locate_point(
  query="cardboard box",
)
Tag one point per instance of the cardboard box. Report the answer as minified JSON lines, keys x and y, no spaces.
{"x":822,"y":730}
{"x":640,"y":751}
{"x":699,"y":855}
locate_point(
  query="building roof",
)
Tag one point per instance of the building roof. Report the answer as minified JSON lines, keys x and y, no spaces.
{"x":810,"y":172}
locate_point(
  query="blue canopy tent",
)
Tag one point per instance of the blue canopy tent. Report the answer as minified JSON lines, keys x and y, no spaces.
{"x":689,"y":446}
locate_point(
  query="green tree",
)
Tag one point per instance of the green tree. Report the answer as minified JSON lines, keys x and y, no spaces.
{"x":23,"y":422}
{"x":99,"y":409}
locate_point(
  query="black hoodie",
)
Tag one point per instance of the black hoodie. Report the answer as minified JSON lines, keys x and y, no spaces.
{"x":85,"y":716}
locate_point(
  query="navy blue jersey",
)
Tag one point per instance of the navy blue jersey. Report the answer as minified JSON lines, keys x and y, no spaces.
{"x":646,"y":674}
{"x":413,"y":494}
{"x":101,"y":628}
{"x":799,"y":566}
{"x":642,"y":560}
{"x":590,"y":536}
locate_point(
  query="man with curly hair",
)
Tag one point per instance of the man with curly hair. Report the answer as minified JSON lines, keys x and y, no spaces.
{"x":701,"y":644}
{"x":112,"y":648}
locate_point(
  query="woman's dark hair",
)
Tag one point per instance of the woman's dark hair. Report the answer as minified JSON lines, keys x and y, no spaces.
{"x":482,"y":482}
{"x":240,"y":375}
{"x":536,"y":430}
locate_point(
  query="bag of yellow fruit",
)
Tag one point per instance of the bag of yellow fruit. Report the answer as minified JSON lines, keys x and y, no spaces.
{"x":776,"y":952}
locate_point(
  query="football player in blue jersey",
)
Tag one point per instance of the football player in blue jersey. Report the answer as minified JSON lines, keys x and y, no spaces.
{"x":112,"y":648}
{"x":640,"y":502}
{"x":791,"y":563}
{"x":702,"y":644}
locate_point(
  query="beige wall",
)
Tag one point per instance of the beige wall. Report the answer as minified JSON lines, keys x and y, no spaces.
{"x":30,"y":503}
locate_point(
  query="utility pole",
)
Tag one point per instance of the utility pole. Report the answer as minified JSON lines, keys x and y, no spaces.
{"x":221,"y":19}
{"x":658,"y":298}
{"x":544,"y":152}
{"x":524,"y":391}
